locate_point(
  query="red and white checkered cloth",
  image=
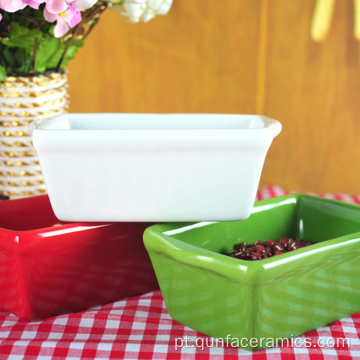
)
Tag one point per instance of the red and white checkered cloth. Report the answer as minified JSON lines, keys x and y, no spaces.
{"x":141,"y":328}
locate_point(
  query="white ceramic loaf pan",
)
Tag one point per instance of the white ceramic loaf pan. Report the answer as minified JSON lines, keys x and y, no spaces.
{"x":153,"y":167}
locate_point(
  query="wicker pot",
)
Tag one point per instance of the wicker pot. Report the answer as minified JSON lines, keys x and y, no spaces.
{"x":24,"y":99}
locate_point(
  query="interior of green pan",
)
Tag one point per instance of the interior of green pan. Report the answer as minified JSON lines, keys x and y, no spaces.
{"x":297,"y":216}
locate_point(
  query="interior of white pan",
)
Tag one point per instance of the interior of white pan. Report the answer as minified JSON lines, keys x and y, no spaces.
{"x":152,"y":122}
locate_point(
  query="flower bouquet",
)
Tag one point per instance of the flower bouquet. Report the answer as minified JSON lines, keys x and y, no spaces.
{"x":37,"y":40}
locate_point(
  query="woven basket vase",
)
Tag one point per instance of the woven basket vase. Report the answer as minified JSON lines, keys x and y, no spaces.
{"x":24,"y":99}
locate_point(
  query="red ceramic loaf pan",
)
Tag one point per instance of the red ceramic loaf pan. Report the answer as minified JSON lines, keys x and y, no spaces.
{"x":47,"y":270}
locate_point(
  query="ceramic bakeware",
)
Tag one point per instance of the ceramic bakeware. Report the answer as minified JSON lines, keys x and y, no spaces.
{"x":151,"y":167}
{"x":48,"y":270}
{"x":279,"y":297}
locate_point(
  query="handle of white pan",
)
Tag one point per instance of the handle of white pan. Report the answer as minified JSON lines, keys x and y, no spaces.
{"x":272,"y":124}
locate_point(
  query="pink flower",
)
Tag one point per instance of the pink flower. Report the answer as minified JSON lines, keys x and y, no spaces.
{"x":66,"y":13}
{"x":33,"y":3}
{"x":56,"y":6}
{"x":64,"y":20}
{"x":12,"y":5}
{"x":16,"y":5}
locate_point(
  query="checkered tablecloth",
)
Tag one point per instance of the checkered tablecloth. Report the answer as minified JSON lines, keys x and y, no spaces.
{"x":141,"y":328}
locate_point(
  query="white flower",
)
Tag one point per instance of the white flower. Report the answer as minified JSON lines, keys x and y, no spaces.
{"x":85,"y":4}
{"x":145,"y":10}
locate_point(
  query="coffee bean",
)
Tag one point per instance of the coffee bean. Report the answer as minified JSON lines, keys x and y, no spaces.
{"x":242,"y":256}
{"x":241,"y":247}
{"x":268,"y":250}
{"x":263,"y":250}
{"x":259,"y":249}
{"x":255,"y":256}
{"x":270,"y":243}
{"x":299,"y":243}
{"x":284,"y":242}
{"x":291,"y":241}
{"x":278,"y":247}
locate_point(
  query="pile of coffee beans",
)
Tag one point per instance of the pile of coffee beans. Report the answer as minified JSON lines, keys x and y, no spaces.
{"x":263,"y":250}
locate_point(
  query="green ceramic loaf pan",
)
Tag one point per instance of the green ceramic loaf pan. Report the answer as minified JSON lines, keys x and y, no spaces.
{"x":278,"y":297}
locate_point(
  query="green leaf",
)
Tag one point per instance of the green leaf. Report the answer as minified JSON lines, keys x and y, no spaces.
{"x":70,"y":54}
{"x":23,"y":61}
{"x":47,"y":49}
{"x":2,"y":73}
{"x":22,"y":37}
{"x":17,"y":52}
{"x":72,"y":51}
{"x":8,"y":56}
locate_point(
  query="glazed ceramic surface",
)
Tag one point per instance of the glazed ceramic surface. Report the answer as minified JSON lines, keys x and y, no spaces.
{"x":151,"y":167}
{"x":278,"y":297}
{"x":48,"y":270}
